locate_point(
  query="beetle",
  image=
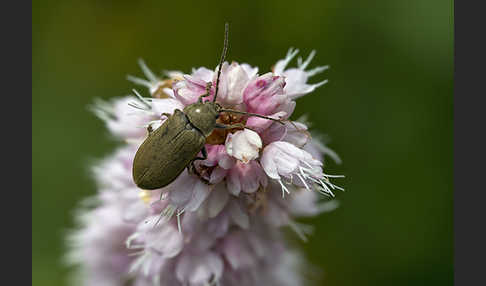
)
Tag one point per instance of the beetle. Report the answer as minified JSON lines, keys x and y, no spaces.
{"x":172,"y":147}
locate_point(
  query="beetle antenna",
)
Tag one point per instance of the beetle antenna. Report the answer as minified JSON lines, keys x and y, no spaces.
{"x":223,"y":56}
{"x":252,"y":114}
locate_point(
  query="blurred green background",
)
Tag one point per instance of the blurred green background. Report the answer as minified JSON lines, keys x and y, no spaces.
{"x":388,"y":108}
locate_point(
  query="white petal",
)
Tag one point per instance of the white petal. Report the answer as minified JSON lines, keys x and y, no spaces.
{"x":236,"y":80}
{"x":203,"y":73}
{"x":268,"y":163}
{"x":250,"y":71}
{"x":296,"y":134}
{"x":166,"y":105}
{"x":243,"y":145}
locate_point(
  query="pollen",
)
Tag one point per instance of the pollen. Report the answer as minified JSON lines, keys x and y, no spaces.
{"x":144,"y":196}
{"x":159,"y":92}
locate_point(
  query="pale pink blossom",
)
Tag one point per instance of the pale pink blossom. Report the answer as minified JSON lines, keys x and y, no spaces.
{"x":246,"y":177}
{"x":188,"y":192}
{"x":217,"y":156}
{"x":265,"y":94}
{"x":189,"y":90}
{"x":232,"y":83}
{"x":282,"y":160}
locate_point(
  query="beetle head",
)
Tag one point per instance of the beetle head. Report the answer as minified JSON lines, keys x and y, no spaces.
{"x":203,"y":115}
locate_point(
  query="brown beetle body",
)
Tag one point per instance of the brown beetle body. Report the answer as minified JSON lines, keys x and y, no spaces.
{"x":166,"y":152}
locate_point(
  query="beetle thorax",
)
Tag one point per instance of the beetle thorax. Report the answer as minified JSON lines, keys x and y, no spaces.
{"x":203,"y":116}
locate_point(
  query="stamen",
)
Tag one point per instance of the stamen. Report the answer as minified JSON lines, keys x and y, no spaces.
{"x":139,"y":81}
{"x":101,"y":114}
{"x":303,"y":181}
{"x":135,"y":105}
{"x":290,"y":55}
{"x":102,"y":109}
{"x":128,"y":242}
{"x":303,"y":65}
{"x":142,"y":99}
{"x":300,"y":229}
{"x":335,"y":186}
{"x":333,"y":176}
{"x":328,"y":206}
{"x":284,"y":189}
{"x":167,"y":213}
{"x":320,"y":83}
{"x":324,"y":187}
{"x":179,"y":212}
{"x":147,"y":72}
{"x":316,"y":70}
{"x":136,"y":253}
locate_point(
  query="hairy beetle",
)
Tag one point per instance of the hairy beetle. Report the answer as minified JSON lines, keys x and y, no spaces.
{"x":172,"y":147}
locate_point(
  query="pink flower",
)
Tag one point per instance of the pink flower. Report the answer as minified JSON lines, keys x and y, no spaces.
{"x":283,"y":160}
{"x":296,"y":78}
{"x":188,"y":192}
{"x":265,"y":94}
{"x":103,"y":256}
{"x":233,"y":81}
{"x":219,"y":225}
{"x":217,"y":156}
{"x":121,"y":119}
{"x":190,"y":89}
{"x":246,"y":177}
{"x":163,"y":240}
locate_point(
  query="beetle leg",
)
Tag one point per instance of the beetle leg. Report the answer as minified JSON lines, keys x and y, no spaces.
{"x":150,"y":129}
{"x":204,"y":153}
{"x":224,"y":126}
{"x":208,"y":90}
{"x":192,"y":169}
{"x":166,"y":114}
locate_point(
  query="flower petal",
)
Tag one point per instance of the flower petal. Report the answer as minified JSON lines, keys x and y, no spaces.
{"x":233,"y":81}
{"x":199,"y":269}
{"x":217,"y":201}
{"x":244,"y":145}
{"x":238,"y":216}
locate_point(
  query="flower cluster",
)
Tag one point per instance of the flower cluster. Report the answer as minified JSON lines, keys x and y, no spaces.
{"x":225,"y":232}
